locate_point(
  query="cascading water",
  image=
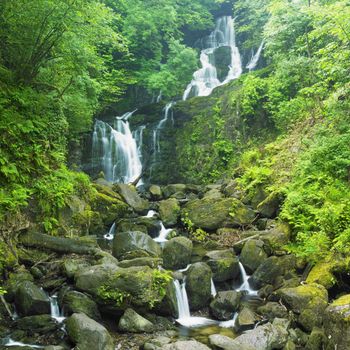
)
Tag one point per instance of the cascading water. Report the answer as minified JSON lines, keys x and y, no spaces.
{"x":206,"y":78}
{"x":56,"y":313}
{"x":213,"y":289}
{"x":255,"y":58}
{"x":115,"y":151}
{"x":245,"y":286}
{"x":9,"y":343}
{"x":110,"y":235}
{"x":163,"y":234}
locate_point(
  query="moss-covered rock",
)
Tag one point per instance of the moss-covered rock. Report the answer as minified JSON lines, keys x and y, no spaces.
{"x":156,"y":192}
{"x":253,"y":255}
{"x":246,"y":317}
{"x":76,"y":302}
{"x":171,"y":189}
{"x":322,"y":273}
{"x":132,"y":198}
{"x":132,"y":322}
{"x":143,"y":224}
{"x":271,"y":310}
{"x":225,"y":304}
{"x":169,"y":211}
{"x":37,"y":324}
{"x":316,"y":340}
{"x":277,"y":237}
{"x":146,"y":261}
{"x":177,"y":253}
{"x":269,"y":207}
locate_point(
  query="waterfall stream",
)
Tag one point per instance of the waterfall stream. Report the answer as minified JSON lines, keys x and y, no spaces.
{"x":9,"y":342}
{"x":56,"y":313}
{"x":255,"y":58}
{"x":206,"y":78}
{"x":245,"y":286}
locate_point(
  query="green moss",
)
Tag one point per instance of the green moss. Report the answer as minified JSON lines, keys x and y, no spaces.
{"x":322,"y":274}
{"x":114,"y":296}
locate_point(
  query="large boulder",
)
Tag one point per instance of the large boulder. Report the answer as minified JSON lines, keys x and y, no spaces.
{"x":143,"y":224}
{"x":169,"y":211}
{"x":337,"y":324}
{"x":88,"y":334}
{"x":272,"y":310}
{"x":198,"y":285}
{"x":132,"y":322}
{"x":76,"y":302}
{"x":146,"y":261}
{"x":37,"y":324}
{"x":225,"y":304}
{"x":156,"y":192}
{"x":253,"y":255}
{"x":172,"y":189}
{"x":128,"y":245}
{"x":31,"y":300}
{"x":177,"y":253}
{"x":307,"y":301}
{"x":131,"y":197}
{"x":211,"y":214}
{"x":269,"y":206}
{"x":185,"y":345}
{"x":223,"y":263}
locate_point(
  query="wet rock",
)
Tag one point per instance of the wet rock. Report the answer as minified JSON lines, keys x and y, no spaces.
{"x":156,"y":192}
{"x":246,"y":317}
{"x":276,"y":238}
{"x":269,"y":207}
{"x":198,"y":285}
{"x":37,"y":324}
{"x":169,"y":211}
{"x":177,"y":253}
{"x":147,"y":261}
{"x":185,"y":345}
{"x":156,"y":343}
{"x":213,"y":194}
{"x":71,"y":266}
{"x":337,"y":324}
{"x":171,"y":189}
{"x":132,"y":322}
{"x":271,"y":310}
{"x":168,"y":306}
{"x":224,"y":264}
{"x":317,"y":339}
{"x":322,"y":273}
{"x":131,"y":197}
{"x":31,"y":300}
{"x":253,"y":255}
{"x":134,"y":244}
{"x":211,"y":214}
{"x":225,"y":304}
{"x":76,"y":302}
{"x":88,"y":334}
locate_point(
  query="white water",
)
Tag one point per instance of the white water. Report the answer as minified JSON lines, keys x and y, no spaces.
{"x":163,"y":234}
{"x":185,"y":318}
{"x":213,"y":289}
{"x":110,"y":235}
{"x":115,"y":151}
{"x":255,"y":58}
{"x":159,"y":97}
{"x":56,"y":313}
{"x":205,"y":79}
{"x":10,"y":342}
{"x":151,"y":214}
{"x":230,"y":323}
{"x":245,"y":282}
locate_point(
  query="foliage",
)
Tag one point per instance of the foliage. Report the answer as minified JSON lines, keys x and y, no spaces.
{"x":113,"y":295}
{"x":160,"y":280}
{"x":196,"y":233}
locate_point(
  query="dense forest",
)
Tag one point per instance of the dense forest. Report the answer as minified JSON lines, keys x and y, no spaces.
{"x":252,"y":175}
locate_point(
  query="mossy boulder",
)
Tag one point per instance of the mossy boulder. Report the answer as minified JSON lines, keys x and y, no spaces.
{"x":337,"y":324}
{"x":269,"y":207}
{"x":198,"y":285}
{"x":171,"y":189}
{"x":169,"y":211}
{"x":132,"y":322}
{"x":132,"y":198}
{"x":143,"y":224}
{"x":146,"y":261}
{"x":134,"y":244}
{"x":211,"y":214}
{"x":37,"y":324}
{"x":246,"y":317}
{"x":224,"y":264}
{"x":76,"y":302}
{"x":271,"y":310}
{"x":322,"y":273}
{"x":277,"y":237}
{"x":177,"y":253}
{"x":225,"y":304}
{"x":317,"y":339}
{"x":86,"y":333}
{"x":156,"y":192}
{"x":253,"y":255}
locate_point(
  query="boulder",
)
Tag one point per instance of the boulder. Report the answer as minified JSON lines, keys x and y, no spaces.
{"x":322,"y":273}
{"x":271,"y":310}
{"x":337,"y":324}
{"x":185,"y":345}
{"x":147,"y":261}
{"x":211,"y":214}
{"x":269,"y":207}
{"x":224,"y":264}
{"x":131,"y":197}
{"x":156,"y":192}
{"x":177,"y":253}
{"x":170,"y":190}
{"x":169,"y":211}
{"x":31,"y":300}
{"x":156,"y":343}
{"x":37,"y":324}
{"x":225,"y":304}
{"x":132,"y":322}
{"x":198,"y":285}
{"x":246,"y":317}
{"x":213,"y":194}
{"x":143,"y":224}
{"x":317,"y":340}
{"x":253,"y":255}
{"x":88,"y":334}
{"x":277,"y":237}
{"x":72,"y":266}
{"x":76,"y":302}
{"x":133,"y":245}
{"x":222,"y":342}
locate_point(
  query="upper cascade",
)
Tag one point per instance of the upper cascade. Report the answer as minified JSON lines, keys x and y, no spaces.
{"x":115,"y":150}
{"x":206,"y":78}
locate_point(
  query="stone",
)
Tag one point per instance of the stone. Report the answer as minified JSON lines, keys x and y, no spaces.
{"x":31,"y":300}
{"x":88,"y":334}
{"x":337,"y":324}
{"x":225,"y":304}
{"x":169,"y":211}
{"x":134,"y":244}
{"x":156,"y":192}
{"x":246,"y":317}
{"x":156,"y":343}
{"x":185,"y":345}
{"x":198,"y":285}
{"x":171,"y":189}
{"x":322,"y":273}
{"x":223,"y":342}
{"x":132,"y":198}
{"x":143,"y":224}
{"x":132,"y":322}
{"x":269,"y":207}
{"x":271,"y":310}
{"x":316,"y":339}
{"x":253,"y":255}
{"x":71,"y":266}
{"x":224,"y":264}
{"x":147,"y":261}
{"x":177,"y":253}
{"x":37,"y":324}
{"x":76,"y":302}
{"x":277,"y":237}
{"x":213,"y":194}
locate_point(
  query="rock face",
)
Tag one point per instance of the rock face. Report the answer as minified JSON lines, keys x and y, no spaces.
{"x":185,"y":345}
{"x":198,"y":285}
{"x":169,"y":211}
{"x":211,"y":214}
{"x":31,"y":300}
{"x":88,"y":334}
{"x":177,"y":253}
{"x":132,"y":322}
{"x":225,"y":304}
{"x":253,"y":255}
{"x":337,"y":324}
{"x":224,"y":264}
{"x":131,"y":197}
{"x":134,"y":244}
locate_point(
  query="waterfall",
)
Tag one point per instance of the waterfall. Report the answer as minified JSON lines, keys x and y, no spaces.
{"x":245,"y":282}
{"x":9,"y":342}
{"x":151,"y":214}
{"x":115,"y":151}
{"x":110,"y":235}
{"x":213,"y":289}
{"x":163,"y":234}
{"x":255,"y":58}
{"x":159,"y":97}
{"x":230,"y":323}
{"x":55,"y":309}
{"x":205,"y":79}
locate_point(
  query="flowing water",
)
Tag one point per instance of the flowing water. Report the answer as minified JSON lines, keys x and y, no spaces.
{"x":163,"y":234}
{"x":206,"y":78}
{"x":110,"y":235}
{"x":255,"y":58}
{"x":56,"y":313}
{"x":213,"y":289}
{"x":245,"y":286}
{"x":9,"y":342}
